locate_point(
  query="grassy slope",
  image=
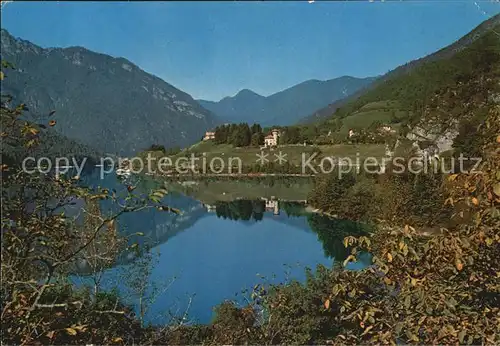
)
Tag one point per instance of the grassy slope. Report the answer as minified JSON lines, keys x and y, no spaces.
{"x":248,"y":155}
{"x":382,"y":111}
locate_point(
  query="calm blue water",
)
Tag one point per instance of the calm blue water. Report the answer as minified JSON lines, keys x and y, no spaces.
{"x":215,"y":253}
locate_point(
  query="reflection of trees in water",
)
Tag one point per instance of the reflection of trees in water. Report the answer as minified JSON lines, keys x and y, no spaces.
{"x":293,"y":208}
{"x":244,"y":209}
{"x":331,"y":232}
{"x":241,"y":209}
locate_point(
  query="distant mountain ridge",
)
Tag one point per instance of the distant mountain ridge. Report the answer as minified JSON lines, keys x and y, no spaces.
{"x":105,"y":102}
{"x":444,"y":53}
{"x":288,"y":106}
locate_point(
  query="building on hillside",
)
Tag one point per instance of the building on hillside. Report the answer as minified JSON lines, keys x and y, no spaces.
{"x":271,"y":140}
{"x":209,"y":135}
{"x":351,"y":133}
{"x":387,"y":129}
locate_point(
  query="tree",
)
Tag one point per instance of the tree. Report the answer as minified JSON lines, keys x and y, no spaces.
{"x":257,"y":139}
{"x":157,"y":147}
{"x":291,"y":135}
{"x":42,"y":244}
{"x":256,"y":128}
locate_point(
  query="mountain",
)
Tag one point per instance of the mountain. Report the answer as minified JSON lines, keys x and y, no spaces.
{"x":443,"y":54}
{"x":285,"y":107}
{"x":438,"y":104}
{"x":105,"y":102}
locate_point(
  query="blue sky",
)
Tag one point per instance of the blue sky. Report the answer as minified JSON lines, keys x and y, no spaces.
{"x":214,"y":49}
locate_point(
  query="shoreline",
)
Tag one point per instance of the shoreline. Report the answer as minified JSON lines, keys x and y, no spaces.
{"x":230,"y":175}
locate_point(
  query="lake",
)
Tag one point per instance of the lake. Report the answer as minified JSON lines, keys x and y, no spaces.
{"x":216,"y":249}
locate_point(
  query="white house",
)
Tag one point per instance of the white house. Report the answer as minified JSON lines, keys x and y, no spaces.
{"x":271,"y":140}
{"x":209,"y":135}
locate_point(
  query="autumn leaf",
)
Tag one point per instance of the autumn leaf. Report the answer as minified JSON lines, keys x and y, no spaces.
{"x":51,"y":334}
{"x":346,"y":242}
{"x":71,"y":331}
{"x":389,"y":257}
{"x":475,"y":201}
{"x":459,"y":265}
{"x":110,"y":224}
{"x":327,"y":304}
{"x":348,"y":259}
{"x":117,"y":339}
{"x":81,"y":328}
{"x":407,"y":229}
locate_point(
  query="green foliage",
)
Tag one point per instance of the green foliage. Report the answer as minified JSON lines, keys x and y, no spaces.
{"x":239,"y":135}
{"x":469,"y":142}
{"x":331,"y":232}
{"x":329,"y":189}
{"x":414,"y":198}
{"x":241,"y":209}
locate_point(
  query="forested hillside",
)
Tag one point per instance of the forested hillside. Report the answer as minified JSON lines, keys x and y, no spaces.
{"x":107,"y":103}
{"x":400,"y":72}
{"x":438,"y":93}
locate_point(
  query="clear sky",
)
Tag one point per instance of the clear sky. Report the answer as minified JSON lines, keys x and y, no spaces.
{"x":214,"y":49}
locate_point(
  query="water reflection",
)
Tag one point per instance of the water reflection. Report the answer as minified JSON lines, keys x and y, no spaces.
{"x":330,"y":231}
{"x":217,"y":249}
